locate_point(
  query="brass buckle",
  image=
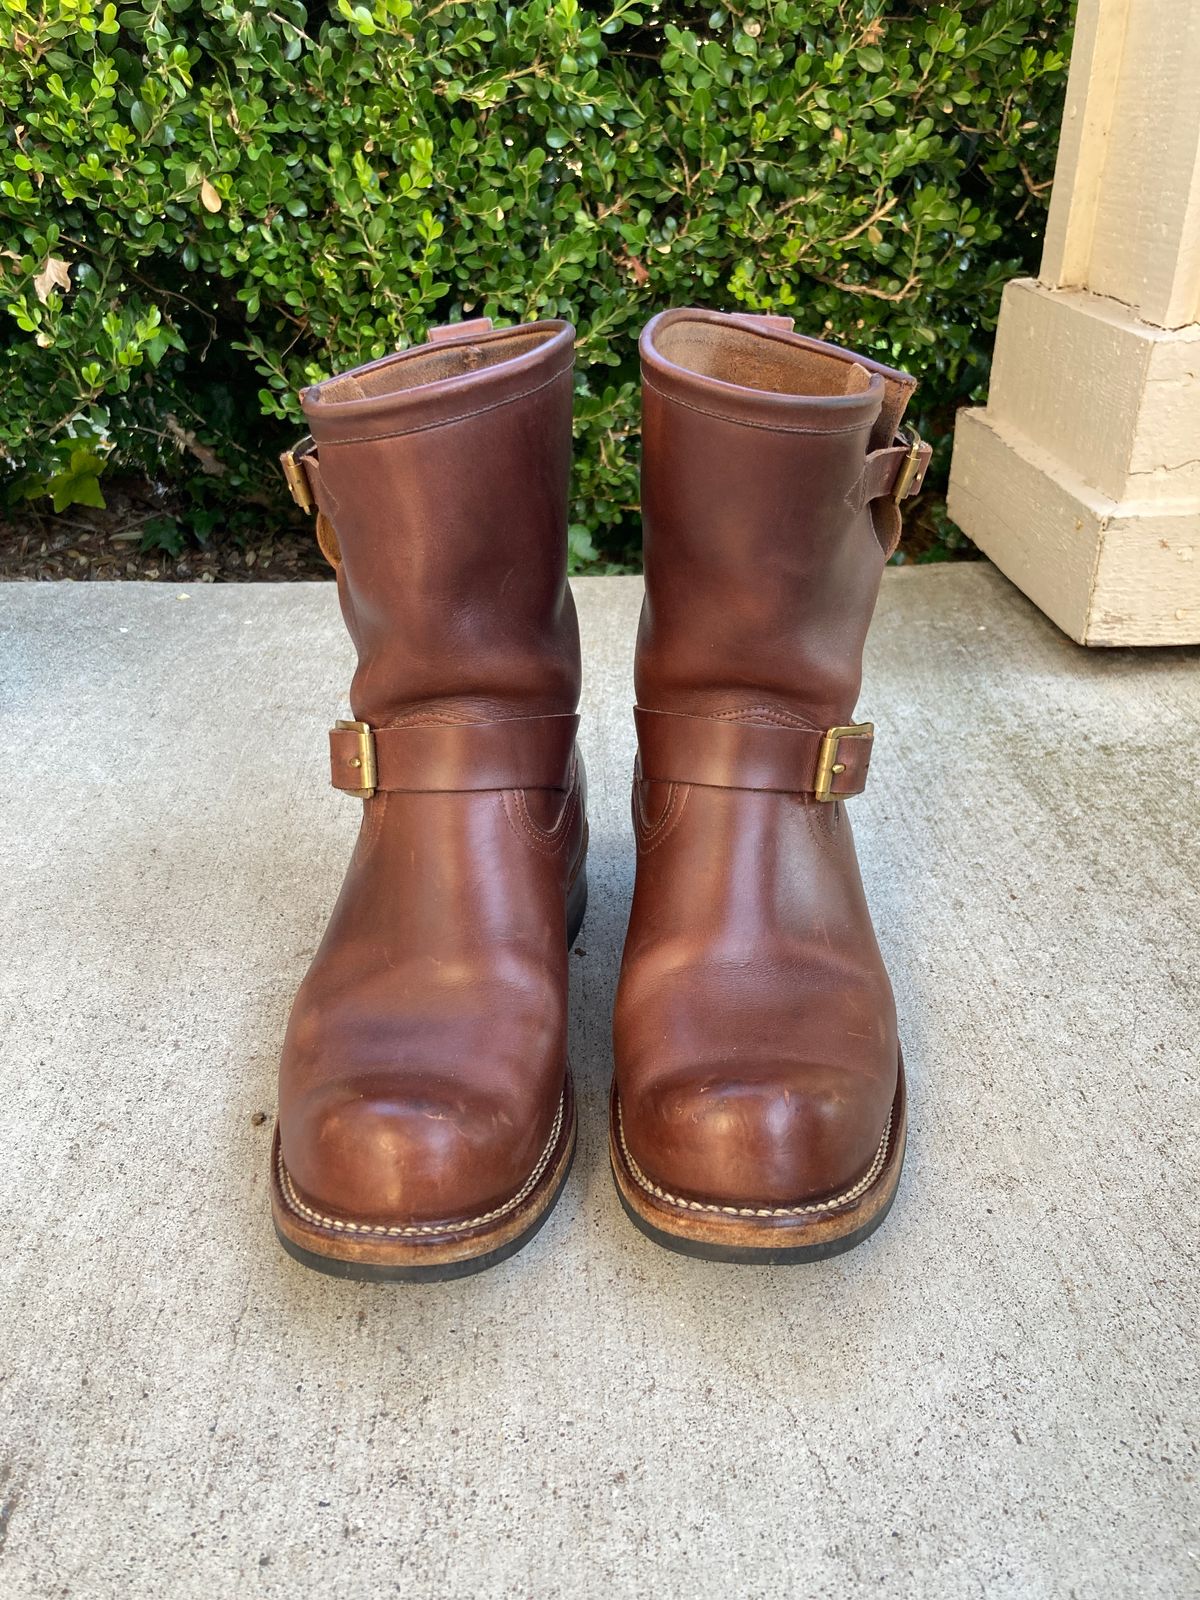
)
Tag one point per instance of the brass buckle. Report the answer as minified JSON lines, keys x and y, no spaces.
{"x":364,"y":760}
{"x":910,"y":466}
{"x":827,"y":757}
{"x":297,"y":480}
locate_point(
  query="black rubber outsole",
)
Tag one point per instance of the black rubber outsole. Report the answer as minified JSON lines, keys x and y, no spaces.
{"x":745,"y":1256}
{"x":371,"y":1272}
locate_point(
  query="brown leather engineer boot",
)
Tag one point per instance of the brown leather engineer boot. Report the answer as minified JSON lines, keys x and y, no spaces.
{"x":426,"y":1117}
{"x":758,"y":1104}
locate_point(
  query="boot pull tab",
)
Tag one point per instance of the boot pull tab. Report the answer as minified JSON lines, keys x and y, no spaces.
{"x":770,"y":323}
{"x":459,"y":330}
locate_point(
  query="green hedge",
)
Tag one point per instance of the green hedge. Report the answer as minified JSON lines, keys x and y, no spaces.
{"x":207,"y":205}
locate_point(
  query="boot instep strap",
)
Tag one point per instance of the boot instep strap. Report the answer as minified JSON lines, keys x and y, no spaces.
{"x":448,"y":757}
{"x":717,"y":753}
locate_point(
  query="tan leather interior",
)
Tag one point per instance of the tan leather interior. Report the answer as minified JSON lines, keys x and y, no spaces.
{"x":755,"y":361}
{"x":431,"y":364}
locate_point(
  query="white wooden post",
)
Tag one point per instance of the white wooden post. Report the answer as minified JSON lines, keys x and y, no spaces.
{"x":1081,"y":477}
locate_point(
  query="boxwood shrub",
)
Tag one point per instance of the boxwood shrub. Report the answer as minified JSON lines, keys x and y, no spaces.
{"x":205,"y":204}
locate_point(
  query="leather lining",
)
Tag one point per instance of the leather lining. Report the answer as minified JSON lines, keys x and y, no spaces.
{"x":432,"y":363}
{"x":738,"y":355}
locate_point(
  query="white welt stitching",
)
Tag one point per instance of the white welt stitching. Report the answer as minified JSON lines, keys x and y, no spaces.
{"x":863,"y":1184}
{"x":297,"y":1205}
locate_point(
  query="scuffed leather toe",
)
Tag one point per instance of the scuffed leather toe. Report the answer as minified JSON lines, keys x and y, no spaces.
{"x":771,"y":1136}
{"x":362,"y":1150}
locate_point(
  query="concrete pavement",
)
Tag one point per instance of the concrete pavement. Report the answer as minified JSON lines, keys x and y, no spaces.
{"x":995,"y":1396}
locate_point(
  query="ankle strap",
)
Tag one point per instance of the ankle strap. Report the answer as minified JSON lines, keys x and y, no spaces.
{"x":717,"y":753}
{"x":896,"y":472}
{"x":447,"y":757}
{"x":302,"y":473}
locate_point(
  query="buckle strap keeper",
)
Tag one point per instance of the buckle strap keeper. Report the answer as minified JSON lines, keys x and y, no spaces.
{"x":301,"y":471}
{"x":295,"y":463}
{"x":828,"y":784}
{"x":720,"y":753}
{"x":910,"y":475}
{"x":895,"y":473}
{"x":351,"y":757}
{"x":453,"y":757}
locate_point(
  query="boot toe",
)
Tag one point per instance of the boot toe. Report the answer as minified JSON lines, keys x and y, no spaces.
{"x":773,"y":1138}
{"x":433,"y":1155}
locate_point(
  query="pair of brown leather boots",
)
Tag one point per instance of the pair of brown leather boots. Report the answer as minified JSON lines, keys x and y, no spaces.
{"x":426,"y":1111}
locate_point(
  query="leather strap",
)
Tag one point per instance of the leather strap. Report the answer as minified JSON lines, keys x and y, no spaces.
{"x":882,"y":474}
{"x":445,"y":757}
{"x":300,"y":470}
{"x":720,"y":754}
{"x":303,"y":474}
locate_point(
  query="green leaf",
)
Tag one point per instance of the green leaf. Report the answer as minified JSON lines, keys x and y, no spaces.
{"x":77,"y":484}
{"x":163,"y":534}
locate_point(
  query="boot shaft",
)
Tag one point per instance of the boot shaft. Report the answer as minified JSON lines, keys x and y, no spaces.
{"x":764,"y":538}
{"x":444,"y":471}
